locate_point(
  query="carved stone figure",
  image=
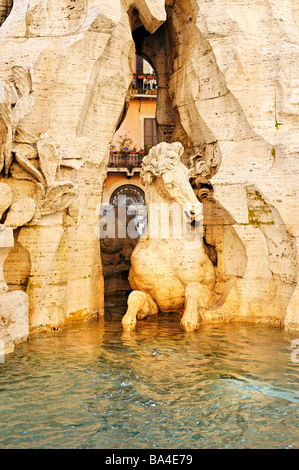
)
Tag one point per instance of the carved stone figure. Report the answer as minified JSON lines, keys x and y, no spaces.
{"x":16,"y":101}
{"x":167,"y":273}
{"x":26,"y":155}
{"x":201,"y":171}
{"x":226,"y":85}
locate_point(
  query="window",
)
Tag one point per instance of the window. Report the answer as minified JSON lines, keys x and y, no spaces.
{"x":150,"y":133}
{"x":127,"y":194}
{"x":132,"y":197}
{"x":139,"y":64}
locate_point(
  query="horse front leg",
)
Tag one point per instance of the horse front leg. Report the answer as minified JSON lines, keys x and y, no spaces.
{"x":140,"y":305}
{"x":196,"y":300}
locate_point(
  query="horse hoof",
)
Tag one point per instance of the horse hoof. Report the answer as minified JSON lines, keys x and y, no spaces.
{"x":128,"y":324}
{"x":188,"y":326}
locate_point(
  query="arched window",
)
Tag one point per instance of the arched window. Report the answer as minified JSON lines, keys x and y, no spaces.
{"x":127,"y":194}
{"x":133,"y":198}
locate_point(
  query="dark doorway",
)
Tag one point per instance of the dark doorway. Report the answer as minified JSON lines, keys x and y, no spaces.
{"x":129,"y":207}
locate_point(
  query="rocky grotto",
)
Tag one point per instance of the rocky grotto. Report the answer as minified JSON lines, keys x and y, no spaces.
{"x":228,"y":91}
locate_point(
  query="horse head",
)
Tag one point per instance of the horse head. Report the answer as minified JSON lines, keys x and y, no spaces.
{"x":163,"y":167}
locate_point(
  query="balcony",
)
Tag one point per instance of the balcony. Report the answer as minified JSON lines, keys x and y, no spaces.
{"x":144,"y":93}
{"x":144,"y":85}
{"x":126,"y":162}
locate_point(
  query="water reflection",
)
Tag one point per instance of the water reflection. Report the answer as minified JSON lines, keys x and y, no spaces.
{"x":93,"y":385}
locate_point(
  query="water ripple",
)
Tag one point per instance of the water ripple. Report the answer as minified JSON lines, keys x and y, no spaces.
{"x":94,"y":386}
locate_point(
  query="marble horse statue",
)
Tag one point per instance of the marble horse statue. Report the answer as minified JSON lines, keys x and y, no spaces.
{"x":170,"y":269}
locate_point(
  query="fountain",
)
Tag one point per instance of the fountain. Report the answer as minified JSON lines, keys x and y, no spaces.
{"x":227,"y":163}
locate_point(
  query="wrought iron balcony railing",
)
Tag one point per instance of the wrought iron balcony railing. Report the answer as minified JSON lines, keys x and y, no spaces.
{"x":143,"y":91}
{"x":125,"y":160}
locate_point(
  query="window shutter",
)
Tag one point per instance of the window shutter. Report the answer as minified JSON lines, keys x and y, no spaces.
{"x":150,"y":134}
{"x":139,"y":64}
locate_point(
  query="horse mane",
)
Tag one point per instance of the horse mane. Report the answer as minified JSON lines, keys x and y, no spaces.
{"x":161,"y":158}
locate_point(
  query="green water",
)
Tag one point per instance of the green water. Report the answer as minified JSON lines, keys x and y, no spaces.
{"x":92,"y":386}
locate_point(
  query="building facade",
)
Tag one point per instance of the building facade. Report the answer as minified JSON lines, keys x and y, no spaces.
{"x":136,"y":135}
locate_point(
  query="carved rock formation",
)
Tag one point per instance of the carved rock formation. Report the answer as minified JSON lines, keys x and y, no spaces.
{"x":228,"y":89}
{"x":5,"y":198}
{"x":14,"y":324}
{"x":170,"y":262}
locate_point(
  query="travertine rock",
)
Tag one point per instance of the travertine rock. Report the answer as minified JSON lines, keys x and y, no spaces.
{"x":152,"y":13}
{"x":14,"y":321}
{"x":228,"y":91}
{"x":5,"y":198}
{"x":6,"y":244}
{"x":20,"y":213}
{"x":232,"y":83}
{"x":14,"y":325}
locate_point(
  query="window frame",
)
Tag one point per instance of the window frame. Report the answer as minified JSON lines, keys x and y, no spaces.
{"x":141,"y":124}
